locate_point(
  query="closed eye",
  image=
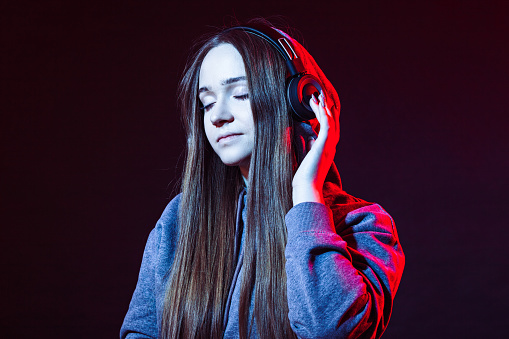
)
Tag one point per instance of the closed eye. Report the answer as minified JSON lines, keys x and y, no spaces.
{"x":207,"y":107}
{"x":242,"y":97}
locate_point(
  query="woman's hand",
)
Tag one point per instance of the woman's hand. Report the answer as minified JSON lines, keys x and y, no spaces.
{"x":308,"y":180}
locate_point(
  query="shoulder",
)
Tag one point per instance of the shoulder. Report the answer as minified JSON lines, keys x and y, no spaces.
{"x":348,"y":210}
{"x":167,"y":225}
{"x":170,"y":213}
{"x":164,"y":235}
{"x":371,"y":216}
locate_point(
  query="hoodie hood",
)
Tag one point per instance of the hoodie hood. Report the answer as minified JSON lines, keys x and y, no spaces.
{"x":334,"y":196}
{"x":303,"y":131}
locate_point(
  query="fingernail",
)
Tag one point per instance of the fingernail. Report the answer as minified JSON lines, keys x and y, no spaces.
{"x":314,"y":99}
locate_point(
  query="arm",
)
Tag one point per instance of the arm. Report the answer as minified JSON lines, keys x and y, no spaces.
{"x":141,"y":319}
{"x":343,"y":267}
{"x":341,"y":279}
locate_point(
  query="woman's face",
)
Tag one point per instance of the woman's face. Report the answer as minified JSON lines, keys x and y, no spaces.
{"x":228,"y":120}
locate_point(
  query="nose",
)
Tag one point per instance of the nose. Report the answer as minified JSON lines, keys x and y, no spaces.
{"x":221,"y":113}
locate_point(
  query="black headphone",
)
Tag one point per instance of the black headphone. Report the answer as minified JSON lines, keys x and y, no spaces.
{"x":300,"y":86}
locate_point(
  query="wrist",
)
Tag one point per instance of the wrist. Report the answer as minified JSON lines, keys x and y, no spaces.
{"x":306,"y":194}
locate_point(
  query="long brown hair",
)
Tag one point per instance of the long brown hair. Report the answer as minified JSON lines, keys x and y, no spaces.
{"x":204,"y":263}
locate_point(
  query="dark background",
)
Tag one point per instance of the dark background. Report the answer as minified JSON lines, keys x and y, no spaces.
{"x":91,"y":149}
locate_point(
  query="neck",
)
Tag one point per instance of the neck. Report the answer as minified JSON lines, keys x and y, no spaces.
{"x":244,"y":171}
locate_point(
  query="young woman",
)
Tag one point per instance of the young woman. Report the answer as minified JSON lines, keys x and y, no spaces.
{"x":262,"y":241}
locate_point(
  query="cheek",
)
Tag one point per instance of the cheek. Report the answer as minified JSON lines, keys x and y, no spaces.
{"x":208,"y":131}
{"x":248,"y":118}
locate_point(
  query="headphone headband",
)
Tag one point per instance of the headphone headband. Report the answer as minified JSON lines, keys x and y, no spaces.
{"x":280,"y":42}
{"x":300,"y":86}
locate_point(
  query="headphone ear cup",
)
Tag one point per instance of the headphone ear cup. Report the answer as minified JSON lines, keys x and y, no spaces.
{"x":299,"y":91}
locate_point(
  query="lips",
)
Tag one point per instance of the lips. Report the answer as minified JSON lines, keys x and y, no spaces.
{"x":227,"y":136}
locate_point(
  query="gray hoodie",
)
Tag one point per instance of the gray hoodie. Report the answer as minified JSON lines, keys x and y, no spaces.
{"x":343,"y":263}
{"x":343,"y":259}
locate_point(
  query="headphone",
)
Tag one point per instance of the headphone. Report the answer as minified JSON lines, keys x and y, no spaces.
{"x":300,"y":86}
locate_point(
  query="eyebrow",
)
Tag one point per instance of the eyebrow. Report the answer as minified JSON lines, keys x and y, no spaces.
{"x":228,"y":81}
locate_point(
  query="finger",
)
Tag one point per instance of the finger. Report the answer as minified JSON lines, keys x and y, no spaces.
{"x":335,"y":114}
{"x":324,"y":119}
{"x":332,"y":119}
{"x":327,"y":111}
{"x":314,"y":103}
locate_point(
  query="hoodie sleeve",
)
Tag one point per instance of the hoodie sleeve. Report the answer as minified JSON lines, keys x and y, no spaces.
{"x":341,"y":277}
{"x":143,"y":317}
{"x":140,"y":320}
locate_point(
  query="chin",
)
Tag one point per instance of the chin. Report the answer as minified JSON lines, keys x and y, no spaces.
{"x":230,"y":160}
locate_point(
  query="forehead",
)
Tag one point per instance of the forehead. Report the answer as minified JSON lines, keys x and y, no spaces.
{"x":220,"y":63}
